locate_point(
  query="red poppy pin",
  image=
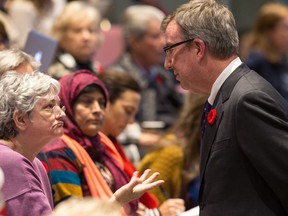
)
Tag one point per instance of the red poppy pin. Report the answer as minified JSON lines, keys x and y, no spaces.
{"x":212,"y":116}
{"x":159,"y":80}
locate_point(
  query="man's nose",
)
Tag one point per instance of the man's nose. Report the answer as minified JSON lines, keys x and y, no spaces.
{"x":167,"y":63}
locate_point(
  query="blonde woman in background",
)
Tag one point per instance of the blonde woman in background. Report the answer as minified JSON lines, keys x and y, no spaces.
{"x":78,"y":31}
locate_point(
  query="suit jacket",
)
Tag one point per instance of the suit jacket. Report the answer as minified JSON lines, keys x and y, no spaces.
{"x":244,"y":165}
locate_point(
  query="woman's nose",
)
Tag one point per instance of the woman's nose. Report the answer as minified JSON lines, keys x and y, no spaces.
{"x":96,"y":107}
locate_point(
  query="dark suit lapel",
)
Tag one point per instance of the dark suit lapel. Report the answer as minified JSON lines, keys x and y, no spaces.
{"x":209,"y":135}
{"x":210,"y":131}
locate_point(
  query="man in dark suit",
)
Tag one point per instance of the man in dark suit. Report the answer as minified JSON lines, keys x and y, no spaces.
{"x":243,"y":164}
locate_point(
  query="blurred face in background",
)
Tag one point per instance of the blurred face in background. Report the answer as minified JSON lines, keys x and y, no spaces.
{"x":81,"y":40}
{"x":121,"y":113}
{"x":148,"y":48}
{"x":279,"y":35}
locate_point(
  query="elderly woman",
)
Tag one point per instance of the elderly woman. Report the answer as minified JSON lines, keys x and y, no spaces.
{"x":30,"y":117}
{"x":84,"y":162}
{"x":78,"y":31}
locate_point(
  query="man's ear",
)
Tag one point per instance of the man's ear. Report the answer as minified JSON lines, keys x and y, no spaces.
{"x":200,"y":46}
{"x":20,"y":121}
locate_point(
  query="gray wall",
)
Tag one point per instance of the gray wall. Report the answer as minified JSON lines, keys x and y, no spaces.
{"x":243,"y":10}
{"x":118,"y":7}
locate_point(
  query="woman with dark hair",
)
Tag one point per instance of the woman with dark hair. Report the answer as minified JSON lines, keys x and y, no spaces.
{"x":125,"y":96}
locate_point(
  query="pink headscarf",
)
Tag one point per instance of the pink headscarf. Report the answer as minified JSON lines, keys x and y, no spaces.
{"x":71,"y":87}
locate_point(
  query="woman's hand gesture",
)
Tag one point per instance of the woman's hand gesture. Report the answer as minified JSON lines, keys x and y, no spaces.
{"x":136,"y":187}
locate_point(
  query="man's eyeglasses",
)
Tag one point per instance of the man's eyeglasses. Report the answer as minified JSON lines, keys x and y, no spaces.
{"x":167,"y":48}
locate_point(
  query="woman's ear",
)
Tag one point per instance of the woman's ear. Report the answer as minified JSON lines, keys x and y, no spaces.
{"x":20,"y":121}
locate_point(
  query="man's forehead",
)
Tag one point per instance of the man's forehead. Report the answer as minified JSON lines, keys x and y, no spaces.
{"x":173,"y":32}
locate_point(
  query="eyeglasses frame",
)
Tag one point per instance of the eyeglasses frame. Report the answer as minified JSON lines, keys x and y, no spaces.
{"x":167,"y":48}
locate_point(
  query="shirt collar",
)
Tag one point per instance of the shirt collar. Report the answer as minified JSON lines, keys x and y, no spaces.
{"x":222,"y":77}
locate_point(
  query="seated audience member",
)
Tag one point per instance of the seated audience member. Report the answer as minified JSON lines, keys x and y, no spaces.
{"x":26,"y":15}
{"x":15,"y":59}
{"x":124,"y":100}
{"x":176,"y":155}
{"x":87,"y":206}
{"x":143,"y":60}
{"x":78,"y":31}
{"x":269,"y":46}
{"x":29,"y":117}
{"x":84,"y":162}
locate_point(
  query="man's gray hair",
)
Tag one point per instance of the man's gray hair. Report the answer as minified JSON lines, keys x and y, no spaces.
{"x":136,"y":19}
{"x":209,"y":21}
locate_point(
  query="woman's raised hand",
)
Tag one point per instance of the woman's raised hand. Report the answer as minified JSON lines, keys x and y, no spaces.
{"x":136,"y":187}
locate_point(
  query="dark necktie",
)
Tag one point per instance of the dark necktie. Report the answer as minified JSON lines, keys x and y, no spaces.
{"x":207,"y":108}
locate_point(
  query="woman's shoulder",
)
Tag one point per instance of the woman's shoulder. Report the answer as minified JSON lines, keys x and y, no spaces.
{"x":10,"y":157}
{"x":19,"y":172}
